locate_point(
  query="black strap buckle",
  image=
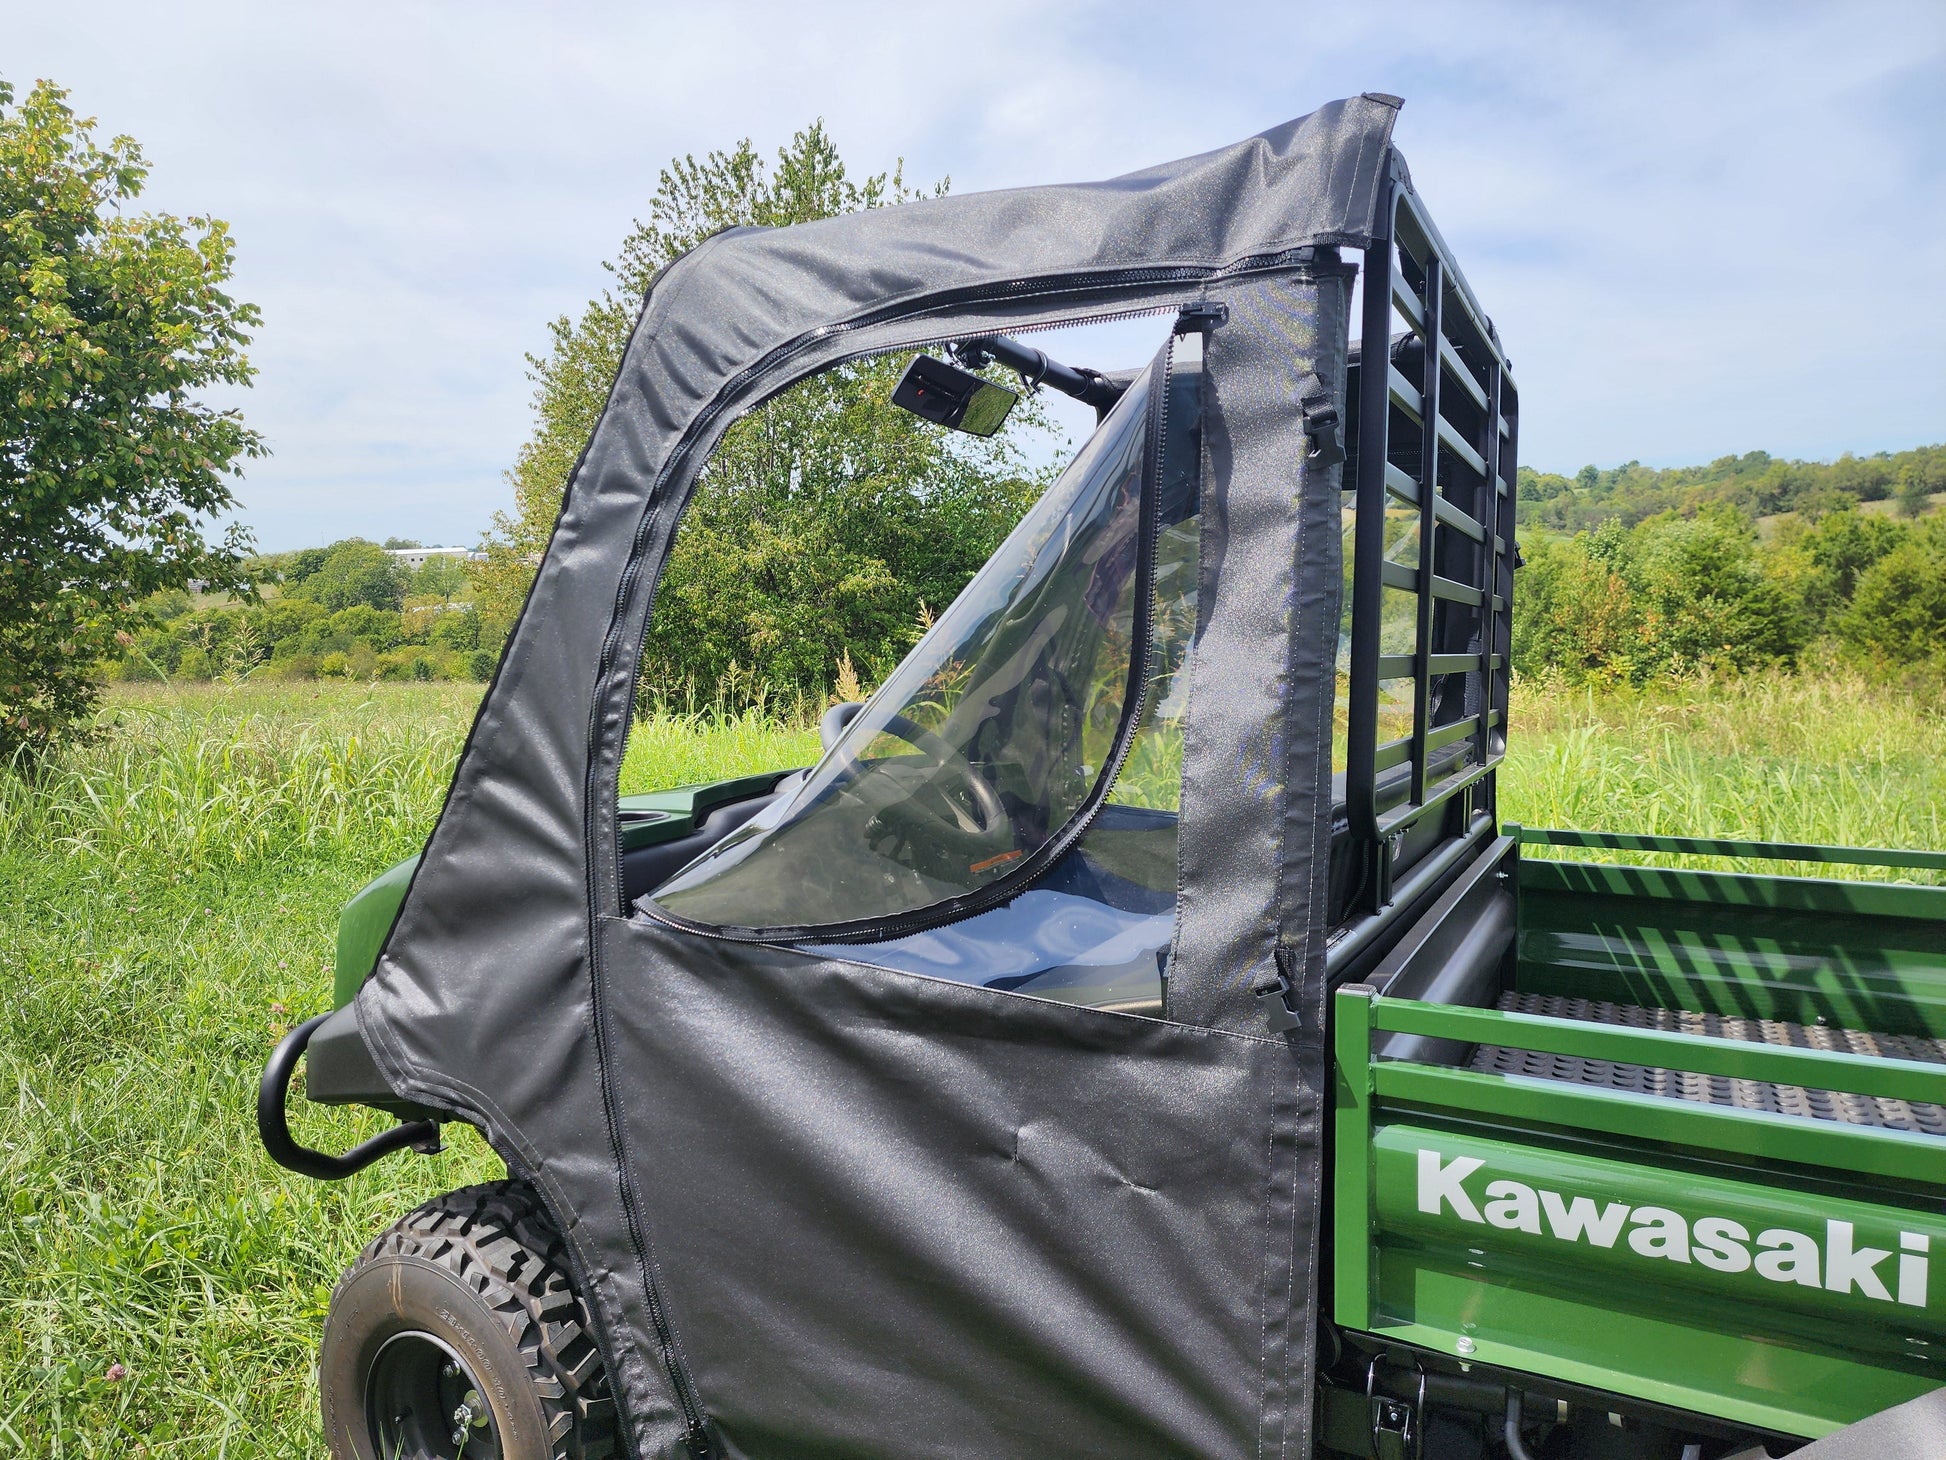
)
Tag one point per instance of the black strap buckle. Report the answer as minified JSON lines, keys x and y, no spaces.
{"x":1202,"y":316}
{"x":1278,"y":1000}
{"x":1321,"y":423}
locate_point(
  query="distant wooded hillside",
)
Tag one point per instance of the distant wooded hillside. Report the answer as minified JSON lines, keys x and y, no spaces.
{"x":1746,"y":563}
{"x":1756,"y":483}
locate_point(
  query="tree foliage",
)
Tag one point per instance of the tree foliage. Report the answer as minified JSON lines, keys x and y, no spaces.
{"x":827,"y":524}
{"x":352,"y":572}
{"x":344,"y":611}
{"x":1898,"y":613}
{"x":1756,"y":484}
{"x":1676,"y":595}
{"x":111,"y":323}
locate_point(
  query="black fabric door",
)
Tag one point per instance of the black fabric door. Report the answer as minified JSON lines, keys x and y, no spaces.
{"x":888,"y":1214}
{"x":894,"y":1216}
{"x":820,"y":1208}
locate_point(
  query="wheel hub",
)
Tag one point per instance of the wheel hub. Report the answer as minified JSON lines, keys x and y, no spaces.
{"x":423,"y":1403}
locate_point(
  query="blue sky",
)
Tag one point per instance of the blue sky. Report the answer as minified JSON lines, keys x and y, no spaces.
{"x":1701,"y":228}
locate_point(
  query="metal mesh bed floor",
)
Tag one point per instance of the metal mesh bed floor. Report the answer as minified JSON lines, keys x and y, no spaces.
{"x":1715,"y":1089}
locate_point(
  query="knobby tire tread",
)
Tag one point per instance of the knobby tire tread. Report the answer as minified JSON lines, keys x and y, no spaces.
{"x":498,"y":1240}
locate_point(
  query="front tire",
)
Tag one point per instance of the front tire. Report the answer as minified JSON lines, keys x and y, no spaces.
{"x":458,"y":1335}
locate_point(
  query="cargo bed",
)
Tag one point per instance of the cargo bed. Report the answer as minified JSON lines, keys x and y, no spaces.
{"x":1679,"y":1136}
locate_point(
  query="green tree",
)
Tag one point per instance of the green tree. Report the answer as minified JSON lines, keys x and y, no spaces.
{"x":303,"y":563}
{"x":826,"y":523}
{"x":1843,"y":545}
{"x":825,"y":527}
{"x":1669,"y":596}
{"x":111,"y":323}
{"x":1706,"y":600}
{"x":438,"y":578}
{"x":355,"y":572}
{"x":1898,"y":614}
{"x":1572,"y":613}
{"x":1915,"y":492}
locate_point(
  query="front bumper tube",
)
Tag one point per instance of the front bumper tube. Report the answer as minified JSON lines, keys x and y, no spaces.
{"x":274,"y":1129}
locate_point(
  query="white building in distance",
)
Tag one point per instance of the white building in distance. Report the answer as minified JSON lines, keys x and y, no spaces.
{"x":412,"y":559}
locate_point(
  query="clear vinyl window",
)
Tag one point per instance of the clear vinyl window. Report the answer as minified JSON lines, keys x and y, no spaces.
{"x":997,"y":732}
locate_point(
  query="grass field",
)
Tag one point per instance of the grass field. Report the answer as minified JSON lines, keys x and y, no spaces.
{"x":170,"y":895}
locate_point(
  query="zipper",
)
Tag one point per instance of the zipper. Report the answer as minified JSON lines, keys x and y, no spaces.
{"x":694,"y":1419}
{"x":1297,"y":258}
{"x":1204,"y":314}
{"x":1135,"y":705}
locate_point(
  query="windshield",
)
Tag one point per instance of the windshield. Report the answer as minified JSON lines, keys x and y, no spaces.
{"x":984,"y":744}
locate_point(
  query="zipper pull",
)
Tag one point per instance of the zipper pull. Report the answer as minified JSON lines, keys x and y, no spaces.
{"x":1202,"y":317}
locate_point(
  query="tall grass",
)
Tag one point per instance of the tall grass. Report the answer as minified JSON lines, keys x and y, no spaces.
{"x":1830,"y":759}
{"x":199,"y":777}
{"x":169,"y":894}
{"x":167,"y":898}
{"x":678,"y":749}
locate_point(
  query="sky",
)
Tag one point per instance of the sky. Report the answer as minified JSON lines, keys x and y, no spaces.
{"x":1701,"y":229}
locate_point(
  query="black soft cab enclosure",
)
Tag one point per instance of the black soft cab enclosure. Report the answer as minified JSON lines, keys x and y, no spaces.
{"x":962,"y":1095}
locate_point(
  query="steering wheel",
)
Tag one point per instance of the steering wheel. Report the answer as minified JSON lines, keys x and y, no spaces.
{"x":982,"y":816}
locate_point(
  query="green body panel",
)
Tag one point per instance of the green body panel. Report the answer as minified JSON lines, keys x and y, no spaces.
{"x":1739,"y":1345}
{"x":687,"y":805}
{"x":1815,"y":1301}
{"x":657,"y":816}
{"x":362,"y":927}
{"x":1857,"y":955}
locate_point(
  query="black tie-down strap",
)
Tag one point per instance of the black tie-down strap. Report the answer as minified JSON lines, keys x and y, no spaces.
{"x":1322,"y":422}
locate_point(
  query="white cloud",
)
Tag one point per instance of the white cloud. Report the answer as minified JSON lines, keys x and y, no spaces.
{"x":1700,"y":228}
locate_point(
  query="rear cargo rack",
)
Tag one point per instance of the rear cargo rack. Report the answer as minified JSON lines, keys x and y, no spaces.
{"x":1437,"y":419}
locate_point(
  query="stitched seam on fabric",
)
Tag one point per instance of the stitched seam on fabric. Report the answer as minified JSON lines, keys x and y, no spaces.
{"x":674,"y":1361}
{"x":1300,"y":1284}
{"x":1316,"y":913}
{"x":1263,"y":1292}
{"x":1310,"y":867}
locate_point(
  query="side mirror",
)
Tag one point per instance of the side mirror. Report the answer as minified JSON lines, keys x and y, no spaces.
{"x":949,"y":396}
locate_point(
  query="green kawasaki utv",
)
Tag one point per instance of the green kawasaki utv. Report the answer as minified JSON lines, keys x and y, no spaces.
{"x":1136,"y":1036}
